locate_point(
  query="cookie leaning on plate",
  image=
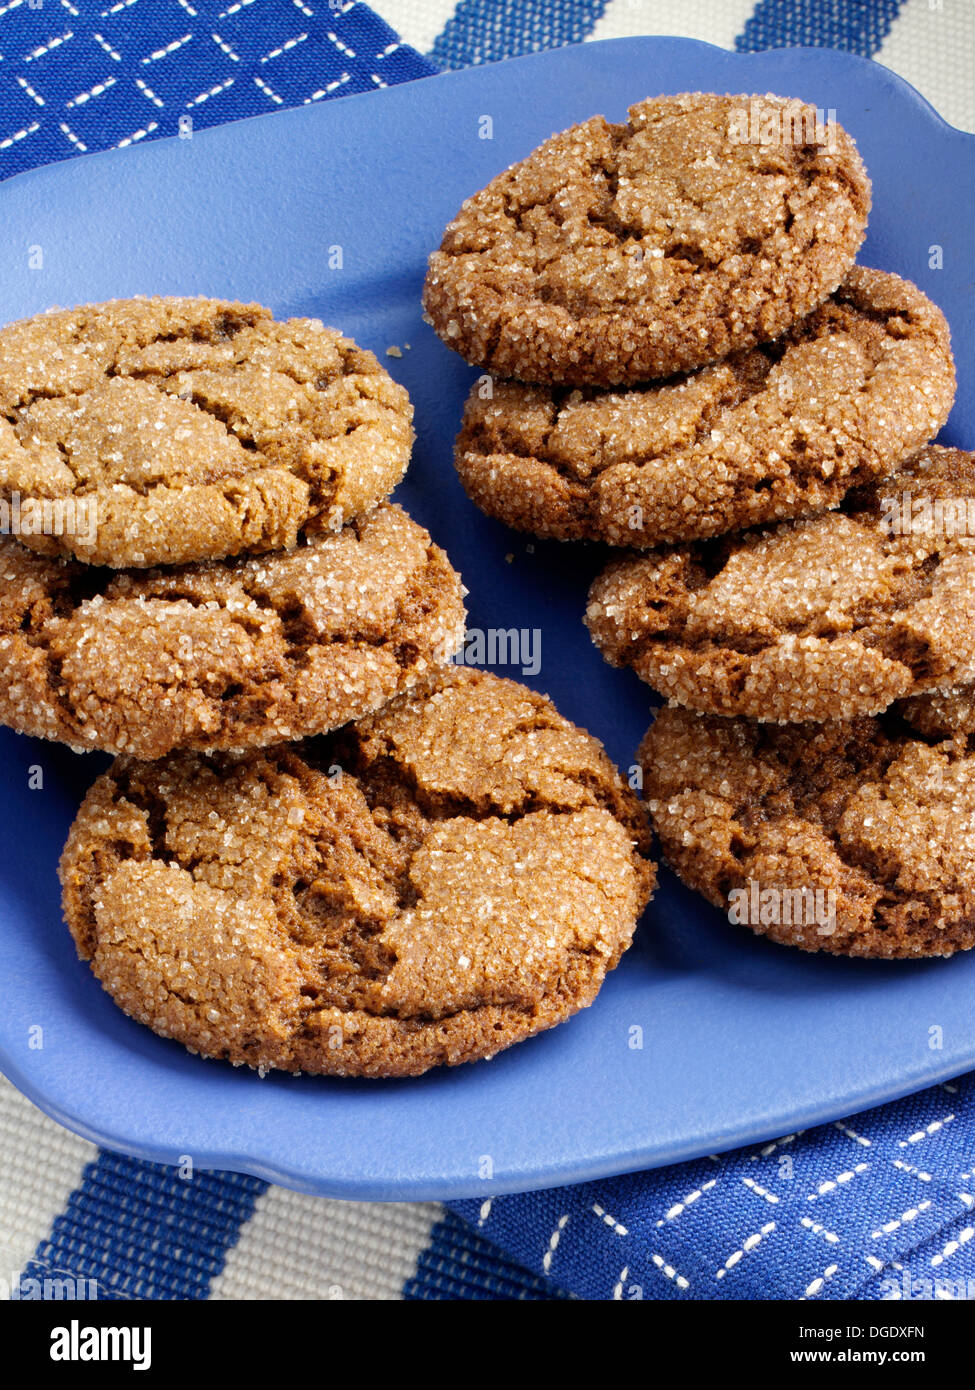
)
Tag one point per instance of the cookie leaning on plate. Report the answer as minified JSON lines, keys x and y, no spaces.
{"x":432,"y":884}
{"x":619,"y":253}
{"x":856,"y":838}
{"x":192,"y":429}
{"x":821,"y":619}
{"x":779,"y":431}
{"x":227,"y":653}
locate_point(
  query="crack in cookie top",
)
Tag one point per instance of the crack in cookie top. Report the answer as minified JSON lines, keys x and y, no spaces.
{"x":618,"y":253}
{"x":191,"y":429}
{"x":226,"y":653}
{"x":432,"y":884}
{"x":821,"y":619}
{"x":856,"y":838}
{"x":778,"y":431}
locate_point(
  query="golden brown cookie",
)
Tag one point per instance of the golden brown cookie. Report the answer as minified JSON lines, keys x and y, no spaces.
{"x":619,"y":253}
{"x":159,"y":431}
{"x":433,"y":884}
{"x":941,"y":713}
{"x":856,"y":838}
{"x":229,"y":653}
{"x":779,"y":431}
{"x":821,"y":619}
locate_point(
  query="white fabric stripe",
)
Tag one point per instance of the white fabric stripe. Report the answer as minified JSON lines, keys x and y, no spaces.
{"x":418,"y":22}
{"x":934,"y":48}
{"x":690,"y":19}
{"x":308,"y":1248}
{"x":40,"y":1165}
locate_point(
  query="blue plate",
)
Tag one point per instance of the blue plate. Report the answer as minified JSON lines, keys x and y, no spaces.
{"x":741,"y":1039}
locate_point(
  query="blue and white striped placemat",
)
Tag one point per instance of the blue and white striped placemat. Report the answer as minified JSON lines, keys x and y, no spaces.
{"x":880,"y":1206}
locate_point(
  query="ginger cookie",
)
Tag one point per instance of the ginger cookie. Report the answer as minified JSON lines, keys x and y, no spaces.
{"x":855,"y":837}
{"x":821,"y":619}
{"x":159,"y":431}
{"x":618,"y":253}
{"x":430,"y":885}
{"x":775,"y":432}
{"x":941,"y":713}
{"x":227,"y":653}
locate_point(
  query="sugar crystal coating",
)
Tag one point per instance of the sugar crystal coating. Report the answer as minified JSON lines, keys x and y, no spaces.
{"x":196,"y":428}
{"x":779,"y":431}
{"x":226,"y":653}
{"x":948,"y":713}
{"x":442,"y":879}
{"x":881,"y":819}
{"x":819,"y":619}
{"x":619,"y":253}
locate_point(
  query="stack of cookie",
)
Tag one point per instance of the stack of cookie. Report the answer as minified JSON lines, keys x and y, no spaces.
{"x":690,"y":365}
{"x":205,"y":572}
{"x":179,"y":447}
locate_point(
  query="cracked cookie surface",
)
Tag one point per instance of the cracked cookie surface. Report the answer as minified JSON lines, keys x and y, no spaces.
{"x":620,"y":253}
{"x":227,"y":653}
{"x":193,"y":429}
{"x":432,"y":884}
{"x":780,"y":431}
{"x":856,"y":838}
{"x":821,"y":619}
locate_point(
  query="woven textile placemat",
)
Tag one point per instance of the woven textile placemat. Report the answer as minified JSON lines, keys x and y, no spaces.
{"x":879,"y":1206}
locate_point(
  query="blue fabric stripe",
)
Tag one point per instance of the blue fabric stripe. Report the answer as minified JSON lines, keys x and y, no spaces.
{"x":228,"y":61}
{"x":141,"y":1231}
{"x":857,"y":26}
{"x":480,"y":31}
{"x":873,"y":1200}
{"x":458,"y":1263}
